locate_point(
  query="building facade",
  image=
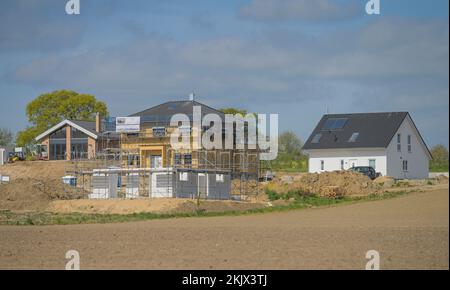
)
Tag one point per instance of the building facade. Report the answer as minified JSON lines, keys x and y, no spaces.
{"x":388,"y":142}
{"x":71,"y":139}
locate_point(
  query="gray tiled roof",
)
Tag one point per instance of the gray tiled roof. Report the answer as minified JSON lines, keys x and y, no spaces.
{"x":90,"y":126}
{"x":376,"y":130}
{"x":163,"y":112}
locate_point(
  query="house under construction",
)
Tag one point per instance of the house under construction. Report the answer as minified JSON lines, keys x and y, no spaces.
{"x":134,"y":159}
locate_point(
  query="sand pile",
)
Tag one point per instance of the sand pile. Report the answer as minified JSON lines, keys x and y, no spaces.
{"x":442,"y":179}
{"x":35,"y":169}
{"x":34,"y":194}
{"x":385,"y":181}
{"x":34,"y":184}
{"x":327,"y":184}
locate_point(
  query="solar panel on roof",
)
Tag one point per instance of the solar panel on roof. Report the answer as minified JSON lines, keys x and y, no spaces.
{"x":334,"y":123}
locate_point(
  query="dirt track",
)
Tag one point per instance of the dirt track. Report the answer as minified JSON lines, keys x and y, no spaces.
{"x":410,"y":232}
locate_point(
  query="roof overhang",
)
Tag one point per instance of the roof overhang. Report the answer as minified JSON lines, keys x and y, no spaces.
{"x":62,"y":124}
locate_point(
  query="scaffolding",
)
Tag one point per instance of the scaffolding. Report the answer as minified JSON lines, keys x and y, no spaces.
{"x":116,"y":171}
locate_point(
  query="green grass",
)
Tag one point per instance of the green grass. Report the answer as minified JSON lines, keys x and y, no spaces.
{"x":298,"y":200}
{"x":439,"y":168}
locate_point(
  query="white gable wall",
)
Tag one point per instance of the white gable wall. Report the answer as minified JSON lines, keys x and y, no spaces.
{"x":418,"y":158}
{"x":359,"y":157}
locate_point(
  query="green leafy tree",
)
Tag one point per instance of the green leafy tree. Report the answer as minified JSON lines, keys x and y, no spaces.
{"x":6,"y":137}
{"x":290,"y":156}
{"x":233,"y":111}
{"x":440,"y":158}
{"x":290,"y":144}
{"x":49,"y":109}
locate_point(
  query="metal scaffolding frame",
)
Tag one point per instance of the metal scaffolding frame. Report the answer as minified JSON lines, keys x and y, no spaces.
{"x":241,"y":167}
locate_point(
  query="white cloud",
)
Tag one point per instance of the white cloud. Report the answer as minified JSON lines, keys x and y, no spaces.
{"x":404,"y":69}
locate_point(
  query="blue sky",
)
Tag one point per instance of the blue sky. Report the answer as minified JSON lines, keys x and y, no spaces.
{"x":291,"y":57}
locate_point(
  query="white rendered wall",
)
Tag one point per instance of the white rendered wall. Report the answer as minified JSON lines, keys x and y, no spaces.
{"x":418,"y":158}
{"x":360,"y":157}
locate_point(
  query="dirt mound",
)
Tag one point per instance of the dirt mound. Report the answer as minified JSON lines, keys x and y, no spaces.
{"x":34,"y":194}
{"x":35,"y":169}
{"x":34,"y":184}
{"x":442,"y":179}
{"x":327,"y":184}
{"x":385,"y":181}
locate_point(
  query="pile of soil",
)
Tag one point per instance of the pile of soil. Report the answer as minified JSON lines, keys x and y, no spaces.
{"x":327,"y":184}
{"x":35,"y":169}
{"x":34,"y":194}
{"x":34,"y":184}
{"x":385,"y":181}
{"x":442,"y":179}
{"x":249,"y":187}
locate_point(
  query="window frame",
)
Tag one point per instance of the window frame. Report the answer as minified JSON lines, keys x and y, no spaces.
{"x":220,"y":178}
{"x":405,"y":165}
{"x":316,"y":138}
{"x":409,"y":144}
{"x":183,"y":176}
{"x":354,"y":137}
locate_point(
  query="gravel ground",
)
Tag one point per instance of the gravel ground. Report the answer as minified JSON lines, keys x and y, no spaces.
{"x":409,"y":232}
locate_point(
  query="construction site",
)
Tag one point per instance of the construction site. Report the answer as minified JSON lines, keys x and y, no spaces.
{"x":217,"y":175}
{"x":132,"y":164}
{"x":133,"y":158}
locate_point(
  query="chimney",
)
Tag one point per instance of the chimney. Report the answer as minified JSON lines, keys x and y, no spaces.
{"x":98,"y":123}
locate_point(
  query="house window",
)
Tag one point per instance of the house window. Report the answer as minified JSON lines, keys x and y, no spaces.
{"x":405,"y":165}
{"x":409,"y":144}
{"x":177,"y":159}
{"x":316,"y":138}
{"x":187,"y":159}
{"x":219,"y":178}
{"x":373,"y":164}
{"x":342,"y":164}
{"x":399,"y":142}
{"x":184,"y":176}
{"x":133,"y":159}
{"x":354,"y":137}
{"x":322,"y":165}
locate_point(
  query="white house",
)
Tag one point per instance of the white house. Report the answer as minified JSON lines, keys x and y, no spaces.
{"x":388,"y":142}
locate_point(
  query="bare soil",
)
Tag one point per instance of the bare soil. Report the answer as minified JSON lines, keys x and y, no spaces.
{"x":34,"y":185}
{"x":162,"y":205}
{"x":37,"y":186}
{"x":326,"y":184}
{"x":409,"y":232}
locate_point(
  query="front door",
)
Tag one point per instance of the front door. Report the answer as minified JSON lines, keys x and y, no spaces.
{"x":156,"y":161}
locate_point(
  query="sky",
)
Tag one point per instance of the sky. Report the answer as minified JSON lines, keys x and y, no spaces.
{"x":296,"y":58}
